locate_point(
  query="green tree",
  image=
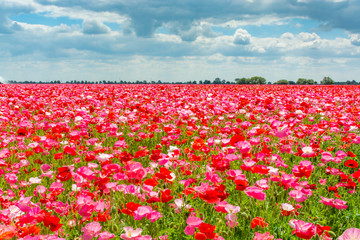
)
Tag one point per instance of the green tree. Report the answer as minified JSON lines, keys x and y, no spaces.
{"x":257,"y":80}
{"x":282,"y":82}
{"x":217,"y":81}
{"x":327,"y":81}
{"x":242,"y":81}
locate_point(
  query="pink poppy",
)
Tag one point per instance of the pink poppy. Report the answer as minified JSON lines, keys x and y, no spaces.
{"x":255,"y":192}
{"x":349,"y":234}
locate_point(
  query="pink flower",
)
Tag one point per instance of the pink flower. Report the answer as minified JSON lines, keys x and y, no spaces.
{"x":243,"y":146}
{"x":307,"y":152}
{"x":263,"y":236}
{"x":91,"y":230}
{"x":189,"y":230}
{"x":303,"y":229}
{"x":339,"y":204}
{"x":130,"y":233}
{"x":193,"y":221}
{"x":327,"y":201}
{"x":106,"y":236}
{"x":349,"y":234}
{"x":142,"y":212}
{"x":298,"y":196}
{"x":86,"y":172}
{"x":11,"y":178}
{"x":255,"y":192}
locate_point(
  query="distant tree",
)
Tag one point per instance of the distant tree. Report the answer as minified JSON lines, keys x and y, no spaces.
{"x":159,"y":82}
{"x":282,"y":82}
{"x":194,"y":82}
{"x":200,"y":82}
{"x":304,"y":81}
{"x":207,"y":82}
{"x":257,"y":80}
{"x":242,"y":81}
{"x":292,"y":82}
{"x":217,"y":81}
{"x":327,"y":81}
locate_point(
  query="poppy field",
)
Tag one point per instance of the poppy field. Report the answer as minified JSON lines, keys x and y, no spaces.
{"x":141,"y":162}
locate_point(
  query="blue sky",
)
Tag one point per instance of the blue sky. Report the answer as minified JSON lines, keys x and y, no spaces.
{"x":179,"y":40}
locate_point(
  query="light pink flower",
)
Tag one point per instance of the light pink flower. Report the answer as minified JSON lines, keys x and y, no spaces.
{"x":130,"y":233}
{"x":350,"y":234}
{"x":193,"y":221}
{"x":106,"y":236}
{"x":255,"y":192}
{"x":91,"y":230}
{"x":263,"y":236}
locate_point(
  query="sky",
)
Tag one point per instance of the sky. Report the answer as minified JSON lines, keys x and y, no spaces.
{"x":179,"y":40}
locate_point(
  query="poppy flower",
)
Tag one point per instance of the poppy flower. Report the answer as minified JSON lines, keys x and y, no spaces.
{"x":64,"y":174}
{"x":351,"y":233}
{"x":52,"y":221}
{"x":351,"y":164}
{"x":258,"y":221}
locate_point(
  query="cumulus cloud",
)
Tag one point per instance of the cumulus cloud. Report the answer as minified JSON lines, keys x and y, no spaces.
{"x":191,"y":33}
{"x":355,"y":39}
{"x":242,"y":37}
{"x":94,"y":27}
{"x":12,"y":7}
{"x":146,"y":17}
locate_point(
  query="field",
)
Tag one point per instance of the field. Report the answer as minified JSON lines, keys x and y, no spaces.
{"x":179,"y":162}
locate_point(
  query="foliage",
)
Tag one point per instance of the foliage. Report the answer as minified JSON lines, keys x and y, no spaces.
{"x":304,"y":81}
{"x":282,"y":82}
{"x":327,"y":81}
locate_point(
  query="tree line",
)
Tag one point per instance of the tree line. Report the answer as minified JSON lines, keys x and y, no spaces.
{"x":252,"y":80}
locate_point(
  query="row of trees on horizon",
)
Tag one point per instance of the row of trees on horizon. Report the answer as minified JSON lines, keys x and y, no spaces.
{"x":253,"y":80}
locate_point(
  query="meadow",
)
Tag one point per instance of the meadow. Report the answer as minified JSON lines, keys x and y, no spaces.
{"x":140,"y":162}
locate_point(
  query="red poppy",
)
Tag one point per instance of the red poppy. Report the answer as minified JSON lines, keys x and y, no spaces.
{"x":22,"y":132}
{"x":151,"y":182}
{"x":131,"y":207}
{"x":258,"y":221}
{"x":58,"y":156}
{"x":351,"y":164}
{"x":210,"y":196}
{"x":241,"y":185}
{"x":52,"y":221}
{"x":207,"y":230}
{"x":64,"y":174}
{"x":165,"y":196}
{"x":260,"y":169}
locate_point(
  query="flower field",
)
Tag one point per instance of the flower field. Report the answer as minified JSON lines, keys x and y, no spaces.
{"x":179,"y":162}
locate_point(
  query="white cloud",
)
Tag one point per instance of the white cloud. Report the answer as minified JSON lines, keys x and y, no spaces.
{"x":355,"y":39}
{"x":242,"y":37}
{"x":94,"y":27}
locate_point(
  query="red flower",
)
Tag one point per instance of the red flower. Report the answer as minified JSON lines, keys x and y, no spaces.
{"x":58,"y":156}
{"x":258,"y":221}
{"x":131,"y":207}
{"x":64,"y":174}
{"x":241,"y":185}
{"x":210,"y":196}
{"x":260,"y":169}
{"x":52,"y":221}
{"x":151,"y":182}
{"x":207,"y":230}
{"x":165,"y":196}
{"x":22,"y":132}
{"x":351,"y":164}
